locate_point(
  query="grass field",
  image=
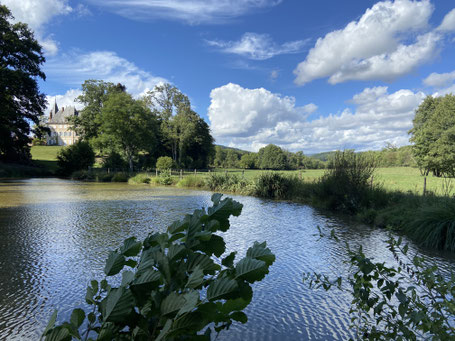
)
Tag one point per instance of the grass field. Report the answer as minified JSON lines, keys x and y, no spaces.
{"x":46,"y":156}
{"x":403,"y":179}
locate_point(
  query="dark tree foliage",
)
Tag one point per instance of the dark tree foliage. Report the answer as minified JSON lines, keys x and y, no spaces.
{"x":75,"y":157}
{"x":20,"y":100}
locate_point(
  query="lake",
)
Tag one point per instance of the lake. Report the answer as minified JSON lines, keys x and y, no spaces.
{"x":55,"y":236}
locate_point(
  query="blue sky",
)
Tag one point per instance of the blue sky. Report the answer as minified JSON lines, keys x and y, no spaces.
{"x":306,"y":75}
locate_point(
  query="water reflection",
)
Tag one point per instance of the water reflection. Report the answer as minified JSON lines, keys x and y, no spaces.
{"x":55,"y":236}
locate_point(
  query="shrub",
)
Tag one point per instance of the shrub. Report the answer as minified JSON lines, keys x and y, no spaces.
{"x":83,"y":175}
{"x":164,"y":163}
{"x":412,"y":301}
{"x":221,"y":182}
{"x":75,"y":157}
{"x":274,"y":185}
{"x":165,"y":178}
{"x":345,"y":185}
{"x":104,"y":177}
{"x":192,"y":181}
{"x":141,"y":178}
{"x":172,"y":288}
{"x":114,"y":161}
{"x":120,"y":177}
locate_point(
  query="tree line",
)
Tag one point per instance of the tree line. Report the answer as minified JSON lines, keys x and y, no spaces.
{"x":136,"y":132}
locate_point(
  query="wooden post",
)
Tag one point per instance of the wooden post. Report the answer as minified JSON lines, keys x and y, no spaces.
{"x":181,"y":174}
{"x":209,"y":171}
{"x":225,"y":172}
{"x":300,"y":174}
{"x":195,"y":172}
{"x":156,"y":172}
{"x":108,"y":170}
{"x":424,"y":185}
{"x":243,"y":173}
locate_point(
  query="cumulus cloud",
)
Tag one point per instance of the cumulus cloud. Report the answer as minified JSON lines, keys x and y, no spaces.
{"x":448,"y":23}
{"x":189,"y":11}
{"x":439,"y":80}
{"x":252,"y":118}
{"x":380,"y":45}
{"x":73,"y":69}
{"x":257,"y":46}
{"x":37,"y":13}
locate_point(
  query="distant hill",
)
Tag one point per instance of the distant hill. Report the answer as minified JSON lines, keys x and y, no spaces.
{"x":236,"y":149}
{"x":323,"y":156}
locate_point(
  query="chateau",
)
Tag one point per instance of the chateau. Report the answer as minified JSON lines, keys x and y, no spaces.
{"x":61,"y":134}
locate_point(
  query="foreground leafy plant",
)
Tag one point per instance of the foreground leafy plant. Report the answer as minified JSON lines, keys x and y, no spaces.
{"x":412,"y":301}
{"x":172,"y":287}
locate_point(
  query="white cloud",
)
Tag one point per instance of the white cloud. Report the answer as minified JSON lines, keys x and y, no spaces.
{"x":73,"y":69}
{"x":257,"y":46}
{"x":439,"y":80}
{"x":274,"y":74}
{"x":448,"y":23}
{"x":374,"y":47}
{"x":37,"y":13}
{"x":252,"y":118}
{"x":190,"y":11}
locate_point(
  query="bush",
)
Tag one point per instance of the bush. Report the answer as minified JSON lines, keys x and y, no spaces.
{"x":173,"y":287}
{"x":83,"y":175}
{"x":104,"y":177}
{"x":141,"y":178}
{"x":75,"y":157}
{"x":114,"y":161}
{"x":345,"y":185}
{"x":192,"y":181}
{"x":120,"y":177}
{"x":221,"y":182}
{"x":411,"y":301}
{"x":164,"y":163}
{"x":275,"y":185}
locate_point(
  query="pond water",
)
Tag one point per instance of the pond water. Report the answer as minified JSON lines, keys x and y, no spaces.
{"x":55,"y":236}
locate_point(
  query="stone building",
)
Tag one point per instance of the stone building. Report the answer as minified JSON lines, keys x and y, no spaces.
{"x":61,"y":133}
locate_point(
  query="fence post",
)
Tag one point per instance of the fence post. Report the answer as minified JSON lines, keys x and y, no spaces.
{"x":243,"y":173}
{"x":300,"y":174}
{"x":209,"y":171}
{"x":156,"y":172}
{"x":108,"y":170}
{"x":424,"y":186}
{"x":181,"y":174}
{"x":195,"y":172}
{"x":225,"y":172}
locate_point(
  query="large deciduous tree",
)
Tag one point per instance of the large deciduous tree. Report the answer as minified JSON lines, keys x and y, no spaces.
{"x":21,"y":103}
{"x":183,"y":133}
{"x":127,"y":126}
{"x":433,"y":135}
{"x":272,"y":157}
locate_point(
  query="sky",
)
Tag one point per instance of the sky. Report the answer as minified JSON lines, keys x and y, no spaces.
{"x":309,"y":76}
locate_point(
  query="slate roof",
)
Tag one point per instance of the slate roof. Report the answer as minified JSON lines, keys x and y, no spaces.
{"x":59,"y":116}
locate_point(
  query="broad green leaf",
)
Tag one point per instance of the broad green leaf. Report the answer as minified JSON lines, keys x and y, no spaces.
{"x":165,"y":330}
{"x":175,"y":250}
{"x":228,"y":261}
{"x":127,"y":277}
{"x":221,"y":287}
{"x":191,"y":301}
{"x":77,"y":317}
{"x":239,"y":316}
{"x":234,"y":304}
{"x":202,"y":261}
{"x":215,"y":246}
{"x":261,"y":252}
{"x":195,"y":279}
{"x":172,"y":303}
{"x":177,"y":226}
{"x":59,"y":334}
{"x":130,"y":247}
{"x":114,"y":263}
{"x":118,"y":305}
{"x":247,"y":266}
{"x":51,"y":322}
{"x":188,"y":321}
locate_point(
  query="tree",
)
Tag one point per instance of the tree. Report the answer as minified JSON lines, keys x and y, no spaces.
{"x":183,"y":133}
{"x":20,"y":100}
{"x":94,"y":94}
{"x":127,"y":126}
{"x":433,"y":135}
{"x":164,"y":163}
{"x":248,"y":161}
{"x":75,"y":157}
{"x":272,"y":157}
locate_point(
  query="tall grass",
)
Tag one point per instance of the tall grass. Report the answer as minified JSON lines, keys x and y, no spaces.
{"x":433,"y":225}
{"x":140,"y":178}
{"x":192,"y":181}
{"x":275,"y":185}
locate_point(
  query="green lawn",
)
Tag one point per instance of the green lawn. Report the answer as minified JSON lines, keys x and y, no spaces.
{"x":46,"y":156}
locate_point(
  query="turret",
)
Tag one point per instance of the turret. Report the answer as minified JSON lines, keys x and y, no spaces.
{"x":54,"y":109}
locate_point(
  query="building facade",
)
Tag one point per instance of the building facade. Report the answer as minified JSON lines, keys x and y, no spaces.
{"x":60,"y":129}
